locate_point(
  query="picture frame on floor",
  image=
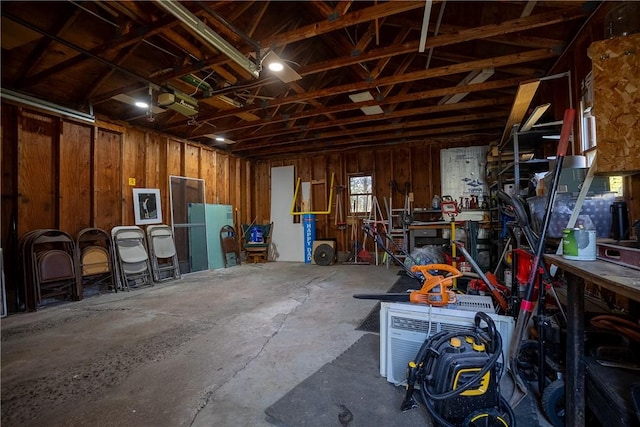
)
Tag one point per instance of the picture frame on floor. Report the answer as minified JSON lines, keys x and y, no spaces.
{"x":146,"y":206}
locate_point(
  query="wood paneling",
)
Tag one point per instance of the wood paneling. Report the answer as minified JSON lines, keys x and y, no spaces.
{"x":107,"y":172}
{"x":152,"y":176}
{"x":68,"y":175}
{"x":222,"y":180}
{"x":261,"y":203}
{"x":422,"y":180}
{"x":418,"y":164}
{"x":37,"y":175}
{"x":191,"y":163}
{"x":208,"y":168}
{"x":75,"y":177}
{"x":133,"y":166}
{"x":401,"y":174}
{"x":174,"y":158}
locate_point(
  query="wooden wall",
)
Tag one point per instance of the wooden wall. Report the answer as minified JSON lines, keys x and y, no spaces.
{"x":68,"y":175}
{"x":59,"y":173}
{"x":417,"y":163}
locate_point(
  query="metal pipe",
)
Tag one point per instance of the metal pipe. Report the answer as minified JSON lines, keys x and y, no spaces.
{"x":425,"y":24}
{"x":227,"y":24}
{"x":185,"y":16}
{"x":45,"y":105}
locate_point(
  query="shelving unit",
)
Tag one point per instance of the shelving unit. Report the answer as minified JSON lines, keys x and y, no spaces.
{"x":518,"y":156}
{"x":526,"y":150}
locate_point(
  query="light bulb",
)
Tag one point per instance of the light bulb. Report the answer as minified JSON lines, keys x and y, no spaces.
{"x":276,"y":66}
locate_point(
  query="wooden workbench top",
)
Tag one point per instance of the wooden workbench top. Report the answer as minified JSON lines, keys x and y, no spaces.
{"x":622,"y":280}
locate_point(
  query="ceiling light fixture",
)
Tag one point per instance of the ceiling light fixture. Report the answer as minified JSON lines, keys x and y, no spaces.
{"x":200,"y":28}
{"x":276,"y":66}
{"x":133,"y":101}
{"x":285,"y":73}
{"x":219,"y":138}
{"x":477,"y":76}
{"x":141,"y":104}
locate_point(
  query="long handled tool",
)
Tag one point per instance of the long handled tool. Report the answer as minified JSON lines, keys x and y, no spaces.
{"x":527,"y":304}
{"x":500,"y":298}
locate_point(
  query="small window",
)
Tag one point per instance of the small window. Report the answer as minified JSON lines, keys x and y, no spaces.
{"x":360,"y":194}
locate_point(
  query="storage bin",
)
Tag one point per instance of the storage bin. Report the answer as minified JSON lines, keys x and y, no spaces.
{"x":595,"y":213}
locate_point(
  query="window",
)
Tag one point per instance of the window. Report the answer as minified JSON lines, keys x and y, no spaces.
{"x":360,"y":194}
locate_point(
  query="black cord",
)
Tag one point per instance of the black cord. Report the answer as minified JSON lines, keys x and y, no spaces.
{"x":426,"y":359}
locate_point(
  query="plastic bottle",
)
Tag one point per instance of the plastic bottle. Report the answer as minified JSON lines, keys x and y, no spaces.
{"x":435,"y":202}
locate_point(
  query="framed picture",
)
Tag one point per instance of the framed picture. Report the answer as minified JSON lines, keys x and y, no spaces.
{"x":146,"y":206}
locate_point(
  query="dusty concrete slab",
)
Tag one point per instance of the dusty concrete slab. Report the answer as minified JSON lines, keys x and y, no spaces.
{"x":215,"y":348}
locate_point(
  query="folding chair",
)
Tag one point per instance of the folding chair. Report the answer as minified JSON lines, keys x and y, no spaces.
{"x":162,"y":250}
{"x":94,"y":260}
{"x":134,"y":269}
{"x":48,"y":267}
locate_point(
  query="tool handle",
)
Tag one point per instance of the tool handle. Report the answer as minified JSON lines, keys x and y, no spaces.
{"x":565,"y":133}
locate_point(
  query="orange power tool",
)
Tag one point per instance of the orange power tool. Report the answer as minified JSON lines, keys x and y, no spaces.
{"x":435,"y":290}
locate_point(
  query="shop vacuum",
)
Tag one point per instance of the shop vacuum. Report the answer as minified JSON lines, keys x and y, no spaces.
{"x":458,"y":375}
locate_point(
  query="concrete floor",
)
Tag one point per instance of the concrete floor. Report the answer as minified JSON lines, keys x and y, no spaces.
{"x":213,"y":349}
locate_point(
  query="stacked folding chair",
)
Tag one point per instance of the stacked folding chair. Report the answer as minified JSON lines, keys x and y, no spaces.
{"x":94,"y":261}
{"x":130,"y":249}
{"x":48,"y":268}
{"x":163,"y":254}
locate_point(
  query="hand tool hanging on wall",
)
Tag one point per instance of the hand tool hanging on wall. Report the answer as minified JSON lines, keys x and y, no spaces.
{"x":527,"y":304}
{"x":407,"y":216}
{"x":339,"y":220}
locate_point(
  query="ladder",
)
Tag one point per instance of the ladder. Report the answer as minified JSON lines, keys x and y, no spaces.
{"x":376,"y":219}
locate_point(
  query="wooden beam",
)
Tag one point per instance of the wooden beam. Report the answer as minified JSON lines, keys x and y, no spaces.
{"x":353,"y":18}
{"x":399,"y":114}
{"x":483,"y":32}
{"x":434,"y":93}
{"x":408,"y":77}
{"x":367,"y":140}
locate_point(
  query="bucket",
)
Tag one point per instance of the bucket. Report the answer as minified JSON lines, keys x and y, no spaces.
{"x":579,"y":244}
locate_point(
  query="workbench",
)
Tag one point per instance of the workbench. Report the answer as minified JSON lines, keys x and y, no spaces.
{"x":429,"y":233}
{"x":619,"y":279}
